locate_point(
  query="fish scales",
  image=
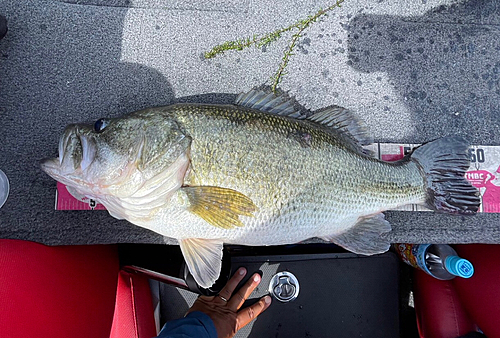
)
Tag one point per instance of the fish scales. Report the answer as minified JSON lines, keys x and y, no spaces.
{"x":254,"y":173}
{"x":310,"y":189}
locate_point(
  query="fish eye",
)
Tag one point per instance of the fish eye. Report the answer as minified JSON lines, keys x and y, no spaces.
{"x":100,"y":125}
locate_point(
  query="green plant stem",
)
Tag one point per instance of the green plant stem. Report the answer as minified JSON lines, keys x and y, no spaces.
{"x":266,"y":38}
{"x":242,"y":44}
{"x":260,"y":41}
{"x":301,"y":25}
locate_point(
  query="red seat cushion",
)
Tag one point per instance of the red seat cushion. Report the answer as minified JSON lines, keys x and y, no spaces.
{"x":440,"y":313}
{"x":134,"y":308}
{"x":480,"y":294}
{"x":65,"y":291}
{"x":453,"y":308}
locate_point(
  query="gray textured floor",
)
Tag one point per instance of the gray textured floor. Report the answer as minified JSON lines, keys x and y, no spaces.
{"x":413,"y":70}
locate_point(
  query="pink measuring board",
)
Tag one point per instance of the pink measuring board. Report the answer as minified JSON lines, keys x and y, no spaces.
{"x":484,"y":173}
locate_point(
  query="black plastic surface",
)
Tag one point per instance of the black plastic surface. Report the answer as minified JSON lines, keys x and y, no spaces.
{"x":341,"y":295}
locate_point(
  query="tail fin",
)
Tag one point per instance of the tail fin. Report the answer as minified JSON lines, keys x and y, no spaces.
{"x":444,"y":163}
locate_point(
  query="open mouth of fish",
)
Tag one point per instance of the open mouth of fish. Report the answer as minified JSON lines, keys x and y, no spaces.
{"x":76,"y":154}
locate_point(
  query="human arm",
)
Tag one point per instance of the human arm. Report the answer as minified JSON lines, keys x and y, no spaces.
{"x":223,"y":312}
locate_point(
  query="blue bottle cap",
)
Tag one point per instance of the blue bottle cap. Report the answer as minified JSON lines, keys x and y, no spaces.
{"x":459,"y":267}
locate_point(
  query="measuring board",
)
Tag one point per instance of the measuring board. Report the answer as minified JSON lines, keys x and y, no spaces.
{"x":483,"y":173}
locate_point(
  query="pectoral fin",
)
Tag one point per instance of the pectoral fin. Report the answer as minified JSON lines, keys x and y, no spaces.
{"x":203,"y":258}
{"x":364,"y":237}
{"x":220,"y":207}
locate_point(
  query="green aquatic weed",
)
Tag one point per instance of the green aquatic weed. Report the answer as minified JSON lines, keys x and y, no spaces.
{"x":268,"y":38}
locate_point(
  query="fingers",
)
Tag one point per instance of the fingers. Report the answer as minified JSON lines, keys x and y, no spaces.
{"x":239,"y":297}
{"x":228,"y":289}
{"x":246,"y":315}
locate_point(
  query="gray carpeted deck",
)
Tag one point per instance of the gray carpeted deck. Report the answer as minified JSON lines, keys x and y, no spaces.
{"x":413,"y":70}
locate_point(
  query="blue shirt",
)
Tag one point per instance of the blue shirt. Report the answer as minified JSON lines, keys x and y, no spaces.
{"x":195,"y":325}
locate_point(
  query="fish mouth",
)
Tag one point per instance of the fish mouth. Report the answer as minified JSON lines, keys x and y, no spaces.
{"x":76,"y":153}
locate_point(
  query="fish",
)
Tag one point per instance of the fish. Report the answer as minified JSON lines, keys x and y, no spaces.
{"x":261,"y":171}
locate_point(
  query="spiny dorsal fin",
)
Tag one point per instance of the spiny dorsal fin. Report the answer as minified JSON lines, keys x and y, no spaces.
{"x":337,"y":119}
{"x":342,"y":119}
{"x":265,"y":100}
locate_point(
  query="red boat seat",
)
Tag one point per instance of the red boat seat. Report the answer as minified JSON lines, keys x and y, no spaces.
{"x":449,"y":309}
{"x":70,"y":291}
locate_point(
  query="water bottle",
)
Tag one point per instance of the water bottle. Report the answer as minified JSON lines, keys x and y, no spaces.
{"x":438,"y":260}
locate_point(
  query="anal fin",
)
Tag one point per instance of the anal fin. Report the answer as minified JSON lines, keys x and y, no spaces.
{"x":364,"y":237}
{"x":203,"y":258}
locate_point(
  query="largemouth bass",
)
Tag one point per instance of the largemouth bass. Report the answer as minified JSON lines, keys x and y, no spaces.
{"x":254,"y":173}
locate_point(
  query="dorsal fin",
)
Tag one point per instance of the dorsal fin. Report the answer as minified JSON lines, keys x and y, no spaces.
{"x":342,"y":119}
{"x":338,"y":119}
{"x":265,"y":100}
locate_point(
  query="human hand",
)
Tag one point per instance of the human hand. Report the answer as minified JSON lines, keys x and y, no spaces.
{"x":224,"y":309}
